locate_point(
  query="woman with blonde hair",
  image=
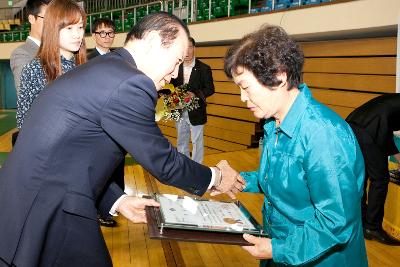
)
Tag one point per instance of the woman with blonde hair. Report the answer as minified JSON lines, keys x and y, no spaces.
{"x":62,"y":48}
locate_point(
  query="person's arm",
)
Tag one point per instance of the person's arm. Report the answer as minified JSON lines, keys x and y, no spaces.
{"x":19,"y":58}
{"x":251,"y":179}
{"x":129,"y":119}
{"x":25,"y":96}
{"x":335,"y":191}
{"x":397,"y":157}
{"x":207,"y":82}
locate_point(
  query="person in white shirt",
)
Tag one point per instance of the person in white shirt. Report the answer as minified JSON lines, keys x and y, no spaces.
{"x":24,"y":53}
{"x":198,"y":76}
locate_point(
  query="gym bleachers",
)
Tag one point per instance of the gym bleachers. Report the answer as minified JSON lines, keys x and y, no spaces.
{"x":126,"y":15}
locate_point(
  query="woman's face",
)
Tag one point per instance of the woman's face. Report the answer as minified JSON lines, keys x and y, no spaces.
{"x":264,"y":102}
{"x":71,"y":39}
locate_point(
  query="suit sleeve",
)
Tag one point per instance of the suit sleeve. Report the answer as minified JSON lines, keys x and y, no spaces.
{"x":129,"y":118}
{"x":19,"y":58}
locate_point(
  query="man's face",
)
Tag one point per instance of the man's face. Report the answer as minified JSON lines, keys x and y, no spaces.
{"x":37,"y":23}
{"x":104,"y":37}
{"x":163,"y":62}
{"x":189,"y":53}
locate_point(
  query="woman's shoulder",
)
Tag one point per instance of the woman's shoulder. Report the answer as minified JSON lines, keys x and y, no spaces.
{"x":33,"y":66}
{"x":35,"y":63}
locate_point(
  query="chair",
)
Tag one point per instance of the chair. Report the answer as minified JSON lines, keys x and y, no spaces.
{"x":311,"y":2}
{"x":24,"y":35}
{"x":16,"y":36}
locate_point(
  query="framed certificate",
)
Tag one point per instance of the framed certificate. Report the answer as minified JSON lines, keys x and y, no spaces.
{"x":200,"y":220}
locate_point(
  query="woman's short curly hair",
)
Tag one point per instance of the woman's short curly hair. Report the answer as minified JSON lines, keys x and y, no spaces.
{"x":266,"y":53}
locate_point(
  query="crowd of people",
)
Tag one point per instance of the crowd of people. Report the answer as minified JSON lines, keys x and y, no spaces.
{"x":77,"y":120}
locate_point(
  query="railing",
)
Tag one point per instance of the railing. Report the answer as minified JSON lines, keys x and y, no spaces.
{"x":126,"y":13}
{"x":7,"y":13}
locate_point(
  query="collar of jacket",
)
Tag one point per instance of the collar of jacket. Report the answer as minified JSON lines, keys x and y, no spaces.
{"x":295,"y":113}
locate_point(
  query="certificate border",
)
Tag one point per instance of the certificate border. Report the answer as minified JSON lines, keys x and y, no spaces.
{"x":161,"y":224}
{"x":186,"y":235}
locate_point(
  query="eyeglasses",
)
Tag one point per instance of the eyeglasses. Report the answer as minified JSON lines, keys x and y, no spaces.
{"x":104,"y":34}
{"x":40,"y":16}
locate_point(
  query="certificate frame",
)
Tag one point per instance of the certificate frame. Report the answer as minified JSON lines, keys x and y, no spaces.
{"x":160,"y":228}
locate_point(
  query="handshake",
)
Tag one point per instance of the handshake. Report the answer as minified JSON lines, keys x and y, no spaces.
{"x":227,"y":180}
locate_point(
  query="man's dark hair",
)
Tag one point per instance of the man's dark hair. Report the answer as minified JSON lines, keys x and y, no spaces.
{"x":33,"y":6}
{"x":266,"y":53}
{"x":103,"y":22}
{"x":166,"y":24}
{"x":192,"y":41}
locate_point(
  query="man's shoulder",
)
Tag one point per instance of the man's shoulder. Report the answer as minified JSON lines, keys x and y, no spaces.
{"x":94,"y":53}
{"x":26,"y":48}
{"x":202,"y":65}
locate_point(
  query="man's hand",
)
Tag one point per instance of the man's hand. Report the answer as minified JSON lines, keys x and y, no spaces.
{"x":133,"y":208}
{"x":231,"y":182}
{"x":262,"y":248}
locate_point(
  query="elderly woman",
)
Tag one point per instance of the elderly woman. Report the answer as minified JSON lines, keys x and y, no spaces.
{"x":311,"y":169}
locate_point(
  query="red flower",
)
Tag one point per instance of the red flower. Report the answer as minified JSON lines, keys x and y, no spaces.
{"x":176,"y":100}
{"x":187,"y":99}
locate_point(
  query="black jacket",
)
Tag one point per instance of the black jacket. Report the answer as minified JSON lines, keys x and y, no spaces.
{"x":202,"y":85}
{"x":67,"y":149}
{"x":378,"y":118}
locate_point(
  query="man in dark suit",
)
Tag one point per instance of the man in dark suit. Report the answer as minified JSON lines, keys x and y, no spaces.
{"x":103,"y":33}
{"x":72,"y":139}
{"x":373,"y":124}
{"x":23,"y":54}
{"x":200,"y":82}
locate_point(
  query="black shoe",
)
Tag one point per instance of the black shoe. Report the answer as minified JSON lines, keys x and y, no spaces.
{"x":381,"y":236}
{"x":109,"y":222}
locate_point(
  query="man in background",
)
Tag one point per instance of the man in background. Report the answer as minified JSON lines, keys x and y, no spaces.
{"x":103,"y":33}
{"x":373,"y":124}
{"x":24,"y":53}
{"x":199,"y":78}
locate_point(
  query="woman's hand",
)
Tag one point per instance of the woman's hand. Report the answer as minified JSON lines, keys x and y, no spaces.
{"x":262,"y":248}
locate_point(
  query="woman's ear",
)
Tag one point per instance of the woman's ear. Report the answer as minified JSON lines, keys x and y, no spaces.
{"x":283,"y":78}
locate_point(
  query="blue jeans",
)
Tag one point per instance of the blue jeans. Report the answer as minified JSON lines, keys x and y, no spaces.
{"x":185,"y":130}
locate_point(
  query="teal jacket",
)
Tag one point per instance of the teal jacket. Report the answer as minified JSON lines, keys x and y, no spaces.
{"x":311,"y":173}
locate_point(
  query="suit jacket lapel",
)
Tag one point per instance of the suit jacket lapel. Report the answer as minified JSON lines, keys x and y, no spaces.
{"x":195,"y":73}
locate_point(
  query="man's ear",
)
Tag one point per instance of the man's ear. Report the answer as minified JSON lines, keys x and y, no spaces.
{"x":283,"y":78}
{"x":32,"y":19}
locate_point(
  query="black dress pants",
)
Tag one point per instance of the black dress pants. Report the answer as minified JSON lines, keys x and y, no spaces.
{"x":377,"y":171}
